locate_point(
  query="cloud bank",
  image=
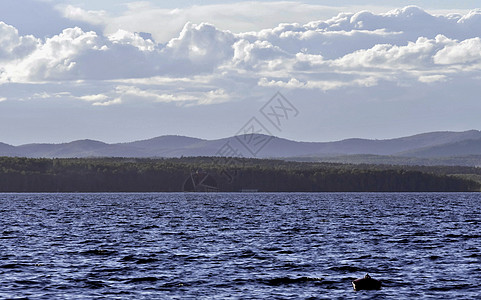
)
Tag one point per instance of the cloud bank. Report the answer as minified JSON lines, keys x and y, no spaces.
{"x":207,"y":65}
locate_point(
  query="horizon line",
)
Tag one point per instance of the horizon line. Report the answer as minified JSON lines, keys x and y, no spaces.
{"x":228,"y":137}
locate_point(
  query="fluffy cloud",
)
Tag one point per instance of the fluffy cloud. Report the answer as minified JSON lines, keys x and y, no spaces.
{"x":464,"y":52}
{"x":13,"y":46}
{"x":361,"y":49}
{"x":164,"y":24}
{"x":75,"y":54}
{"x":411,"y":21}
{"x":123,"y":37}
{"x":199,"y":48}
{"x":257,"y":55}
{"x":417,"y":54}
{"x":56,"y":58}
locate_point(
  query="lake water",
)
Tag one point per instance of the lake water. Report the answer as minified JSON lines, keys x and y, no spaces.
{"x":239,"y":246}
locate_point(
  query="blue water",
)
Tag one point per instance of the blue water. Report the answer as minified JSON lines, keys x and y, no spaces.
{"x":239,"y":246}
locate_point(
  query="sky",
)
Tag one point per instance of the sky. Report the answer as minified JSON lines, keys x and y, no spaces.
{"x":119,"y":71}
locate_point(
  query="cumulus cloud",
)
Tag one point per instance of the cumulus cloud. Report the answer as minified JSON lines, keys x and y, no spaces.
{"x":12,"y":45}
{"x":464,"y":52}
{"x":411,"y":21}
{"x":75,"y":54}
{"x":123,"y":37}
{"x":251,"y":54}
{"x":199,"y":48}
{"x":360,"y":49}
{"x":56,"y":58}
{"x":165,"y":24}
{"x":417,"y":54}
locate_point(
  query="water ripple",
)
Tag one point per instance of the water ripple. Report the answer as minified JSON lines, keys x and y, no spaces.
{"x":239,"y":246}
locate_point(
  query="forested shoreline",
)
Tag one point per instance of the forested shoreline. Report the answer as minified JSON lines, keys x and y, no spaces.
{"x":221,"y":174}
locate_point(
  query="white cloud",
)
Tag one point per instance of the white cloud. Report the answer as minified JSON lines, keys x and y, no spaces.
{"x":13,"y":46}
{"x":214,"y":97}
{"x":128,"y":38}
{"x":183,"y":98}
{"x":251,"y":54}
{"x":55,"y":59}
{"x":417,"y":54}
{"x":292,"y":83}
{"x":206,"y":65}
{"x":366,"y":72}
{"x":324,"y":85}
{"x":75,"y":54}
{"x":412,"y":21}
{"x":167,"y":98}
{"x":48,"y":95}
{"x":108,"y":103}
{"x":88,"y":16}
{"x":432,"y":78}
{"x":464,"y":52}
{"x":164,"y":24}
{"x":94,"y":98}
{"x":199,"y":48}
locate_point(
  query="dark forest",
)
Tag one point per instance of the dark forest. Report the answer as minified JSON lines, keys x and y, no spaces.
{"x":220,"y":174}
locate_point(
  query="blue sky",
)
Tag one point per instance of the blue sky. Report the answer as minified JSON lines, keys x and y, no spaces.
{"x":122,"y":71}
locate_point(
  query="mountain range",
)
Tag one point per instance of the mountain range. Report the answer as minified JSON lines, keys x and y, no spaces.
{"x":418,"y":149}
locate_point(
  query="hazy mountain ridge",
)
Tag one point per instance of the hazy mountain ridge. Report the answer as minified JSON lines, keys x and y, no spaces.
{"x":464,"y":147}
{"x":7,"y":150}
{"x":165,"y":142}
{"x":421,"y":146}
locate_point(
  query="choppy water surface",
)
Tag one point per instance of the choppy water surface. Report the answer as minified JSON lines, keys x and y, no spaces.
{"x":239,"y":246}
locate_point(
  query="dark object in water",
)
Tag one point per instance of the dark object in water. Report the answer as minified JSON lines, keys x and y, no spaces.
{"x":366,"y":283}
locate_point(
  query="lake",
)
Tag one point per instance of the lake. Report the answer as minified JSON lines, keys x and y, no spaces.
{"x":240,"y":246}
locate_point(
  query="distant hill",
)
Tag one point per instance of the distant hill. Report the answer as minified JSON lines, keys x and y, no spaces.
{"x":423,"y":148}
{"x":397,"y":145}
{"x":165,"y":142}
{"x":6,"y":149}
{"x":459,"y":148}
{"x":82,"y":148}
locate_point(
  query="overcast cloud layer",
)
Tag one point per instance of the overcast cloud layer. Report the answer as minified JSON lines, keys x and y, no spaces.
{"x":353,"y":54}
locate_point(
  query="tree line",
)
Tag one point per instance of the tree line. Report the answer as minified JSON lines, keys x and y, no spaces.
{"x":222,"y":174}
